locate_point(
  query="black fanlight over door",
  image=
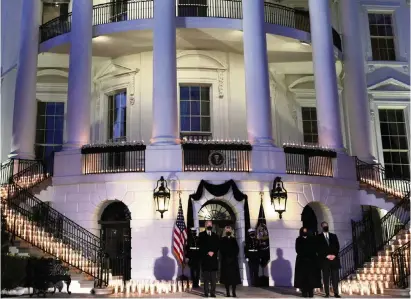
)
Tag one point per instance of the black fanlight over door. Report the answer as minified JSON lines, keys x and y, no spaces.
{"x":192,"y":8}
{"x":116,"y":235}
{"x":219,"y":213}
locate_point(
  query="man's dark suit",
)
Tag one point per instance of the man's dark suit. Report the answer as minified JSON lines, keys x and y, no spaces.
{"x":209,"y":264}
{"x":329,"y":268}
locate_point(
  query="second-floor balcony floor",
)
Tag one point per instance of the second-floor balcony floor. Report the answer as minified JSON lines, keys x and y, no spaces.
{"x":190,"y":14}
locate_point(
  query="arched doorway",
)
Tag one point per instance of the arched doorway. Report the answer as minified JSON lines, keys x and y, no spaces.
{"x":116,"y":235}
{"x":220,"y":213}
{"x":309,"y":220}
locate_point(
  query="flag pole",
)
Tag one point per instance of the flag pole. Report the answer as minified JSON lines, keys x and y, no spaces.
{"x":183,"y":262}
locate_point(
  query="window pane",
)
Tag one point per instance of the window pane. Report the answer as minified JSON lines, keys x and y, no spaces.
{"x":50,"y":122}
{"x":195,"y":124}
{"x":184,"y":93}
{"x":386,"y":142}
{"x":58,"y":137}
{"x":50,"y":108}
{"x":184,"y":108}
{"x":60,"y":109}
{"x":205,"y":108}
{"x":194,"y":93}
{"x":205,"y":124}
{"x":195,"y":107}
{"x":41,"y":108}
{"x":41,"y":122}
{"x":399,"y":114}
{"x":40,"y":136}
{"x":185,"y":124}
{"x":59,"y":122}
{"x":205,"y":93}
{"x":305,"y":113}
{"x":49,"y":137}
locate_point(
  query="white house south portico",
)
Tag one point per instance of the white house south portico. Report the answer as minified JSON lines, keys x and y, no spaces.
{"x":223,"y":100}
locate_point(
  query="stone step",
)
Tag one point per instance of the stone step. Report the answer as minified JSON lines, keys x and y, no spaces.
{"x":397,"y":293}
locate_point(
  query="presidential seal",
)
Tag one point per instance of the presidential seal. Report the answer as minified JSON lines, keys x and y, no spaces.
{"x":216,"y":159}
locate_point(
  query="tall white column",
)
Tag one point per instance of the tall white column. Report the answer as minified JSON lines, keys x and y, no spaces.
{"x":328,"y":108}
{"x":257,"y":85}
{"x":79,"y":82}
{"x":25,"y":103}
{"x":165,"y":120}
{"x":355,"y":86}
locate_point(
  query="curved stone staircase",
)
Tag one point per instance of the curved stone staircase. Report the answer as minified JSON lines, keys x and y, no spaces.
{"x":368,"y":266}
{"x":42,"y":231}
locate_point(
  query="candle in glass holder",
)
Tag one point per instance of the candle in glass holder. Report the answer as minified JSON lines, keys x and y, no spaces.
{"x":115,"y":289}
{"x":139,"y":286}
{"x":190,"y":286}
{"x":152,"y":289}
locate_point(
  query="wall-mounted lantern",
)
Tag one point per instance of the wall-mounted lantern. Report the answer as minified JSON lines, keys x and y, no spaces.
{"x":161,"y":196}
{"x":279,"y":196}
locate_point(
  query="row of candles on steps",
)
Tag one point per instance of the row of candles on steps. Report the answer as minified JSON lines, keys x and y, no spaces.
{"x":381,"y":187}
{"x":363,"y":288}
{"x":42,"y":240}
{"x":150,"y":287}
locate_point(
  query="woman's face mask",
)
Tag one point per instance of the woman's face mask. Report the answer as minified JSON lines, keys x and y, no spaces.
{"x":209,"y":227}
{"x":228,"y":234}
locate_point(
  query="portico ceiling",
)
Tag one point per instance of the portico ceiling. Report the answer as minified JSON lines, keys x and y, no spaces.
{"x":281,"y":50}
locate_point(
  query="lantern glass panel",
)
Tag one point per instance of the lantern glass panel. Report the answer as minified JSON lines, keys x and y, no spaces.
{"x":279,"y":204}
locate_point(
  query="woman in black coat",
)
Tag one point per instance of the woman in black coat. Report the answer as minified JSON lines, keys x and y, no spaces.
{"x":307,"y":275}
{"x":230,"y":272}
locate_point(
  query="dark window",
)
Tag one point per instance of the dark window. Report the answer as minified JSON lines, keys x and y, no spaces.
{"x":309,"y":118}
{"x":394,"y":143}
{"x":54,"y":10}
{"x":50,"y":128}
{"x":117,"y":109}
{"x":382,"y":36}
{"x":192,"y":8}
{"x":195,"y":114}
{"x":119,"y":10}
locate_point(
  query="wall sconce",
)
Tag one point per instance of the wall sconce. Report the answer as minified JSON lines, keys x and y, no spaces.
{"x":279,"y":196}
{"x":161,"y":196}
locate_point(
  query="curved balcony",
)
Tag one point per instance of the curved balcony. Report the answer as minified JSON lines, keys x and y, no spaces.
{"x":113,"y":12}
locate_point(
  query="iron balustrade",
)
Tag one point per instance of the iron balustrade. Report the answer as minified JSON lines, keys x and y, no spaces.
{"x":371,"y":235}
{"x":118,"y":11}
{"x":309,"y":161}
{"x":113,"y":158}
{"x":374,"y":175}
{"x":401,"y":266}
{"x":216,"y":156}
{"x":36,"y":215}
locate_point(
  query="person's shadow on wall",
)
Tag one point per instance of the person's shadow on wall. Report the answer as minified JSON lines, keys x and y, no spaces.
{"x":164,"y":266}
{"x":281,"y":270}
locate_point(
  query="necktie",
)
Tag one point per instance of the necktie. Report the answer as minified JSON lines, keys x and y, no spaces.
{"x":328,"y":240}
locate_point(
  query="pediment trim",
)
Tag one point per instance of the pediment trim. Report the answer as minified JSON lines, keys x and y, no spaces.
{"x":390,"y":81}
{"x":205,"y":61}
{"x":111,"y":70}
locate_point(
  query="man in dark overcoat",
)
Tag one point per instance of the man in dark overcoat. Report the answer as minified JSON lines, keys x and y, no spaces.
{"x":193,"y":256}
{"x":209,"y":246}
{"x":328,"y":248}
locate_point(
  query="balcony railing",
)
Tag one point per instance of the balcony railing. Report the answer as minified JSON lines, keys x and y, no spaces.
{"x":118,"y":11}
{"x":309,"y":160}
{"x":113,"y":158}
{"x":216,"y":156}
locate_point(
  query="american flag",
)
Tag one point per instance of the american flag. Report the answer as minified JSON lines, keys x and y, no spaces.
{"x":179,"y":235}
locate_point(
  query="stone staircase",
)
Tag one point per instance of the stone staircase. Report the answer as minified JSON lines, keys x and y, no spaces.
{"x":81,"y":283}
{"x":40,"y":230}
{"x":377,"y":276}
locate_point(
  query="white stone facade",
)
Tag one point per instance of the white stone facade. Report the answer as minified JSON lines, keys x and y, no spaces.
{"x":209,"y":51}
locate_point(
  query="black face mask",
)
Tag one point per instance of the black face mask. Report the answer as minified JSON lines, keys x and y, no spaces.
{"x":209,"y":228}
{"x":304,"y":234}
{"x":325,"y":229}
{"x":228,"y":234}
{"x":252,"y":236}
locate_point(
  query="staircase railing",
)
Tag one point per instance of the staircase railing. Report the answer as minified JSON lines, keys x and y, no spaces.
{"x":17,"y":179}
{"x":376,"y":176}
{"x":40,"y":215}
{"x":401,"y":266}
{"x":370,"y":236}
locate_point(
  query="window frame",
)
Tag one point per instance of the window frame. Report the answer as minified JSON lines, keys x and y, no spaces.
{"x":196,"y":133}
{"x":50,"y":100}
{"x":379,"y":103}
{"x":394,"y":34}
{"x":302,"y":122}
{"x":112,"y":93}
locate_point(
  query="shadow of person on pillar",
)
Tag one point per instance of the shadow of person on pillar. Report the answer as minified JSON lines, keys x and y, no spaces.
{"x":281,"y":271}
{"x":164,"y":266}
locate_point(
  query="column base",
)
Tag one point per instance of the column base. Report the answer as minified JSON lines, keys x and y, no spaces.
{"x":268,"y":159}
{"x":164,"y":140}
{"x":344,"y":167}
{"x":262,"y":141}
{"x":21,"y":155}
{"x":164,"y":158}
{"x":72,"y":145}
